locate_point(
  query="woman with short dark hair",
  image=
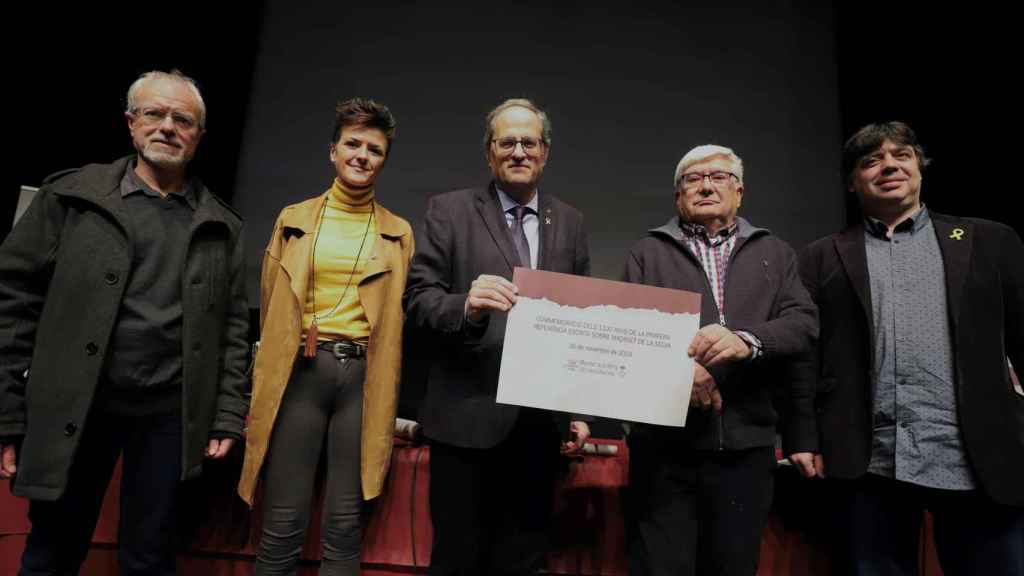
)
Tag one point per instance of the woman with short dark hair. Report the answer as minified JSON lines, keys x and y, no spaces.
{"x":326,"y":374}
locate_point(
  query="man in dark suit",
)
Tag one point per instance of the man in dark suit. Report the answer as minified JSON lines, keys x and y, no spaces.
{"x":916,"y":408}
{"x":492,"y":466}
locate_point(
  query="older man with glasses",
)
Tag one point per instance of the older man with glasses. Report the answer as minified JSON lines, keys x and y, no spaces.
{"x":699,"y":495}
{"x":123,"y":327}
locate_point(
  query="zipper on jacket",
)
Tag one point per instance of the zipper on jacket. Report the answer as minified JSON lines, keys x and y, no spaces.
{"x":721,"y":430}
{"x":740,"y":242}
{"x":721,"y":321}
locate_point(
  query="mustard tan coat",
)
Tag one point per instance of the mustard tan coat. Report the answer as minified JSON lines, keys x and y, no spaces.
{"x":283,"y":285}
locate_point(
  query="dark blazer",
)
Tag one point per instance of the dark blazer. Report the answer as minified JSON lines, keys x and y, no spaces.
{"x":984,"y":275}
{"x":465,"y":235}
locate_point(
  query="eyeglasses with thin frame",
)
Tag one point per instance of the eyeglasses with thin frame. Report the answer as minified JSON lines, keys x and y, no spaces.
{"x":151,"y":116}
{"x":695,"y":179}
{"x":507,"y":144}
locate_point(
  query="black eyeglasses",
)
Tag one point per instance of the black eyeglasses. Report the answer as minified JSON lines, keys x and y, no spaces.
{"x":508,"y":144}
{"x":695,"y":179}
{"x":151,"y":116}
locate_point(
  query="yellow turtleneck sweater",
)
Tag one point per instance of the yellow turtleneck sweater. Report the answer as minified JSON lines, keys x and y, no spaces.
{"x":339,"y":235}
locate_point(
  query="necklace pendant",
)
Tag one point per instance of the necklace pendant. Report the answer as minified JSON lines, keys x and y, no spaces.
{"x":311,"y":337}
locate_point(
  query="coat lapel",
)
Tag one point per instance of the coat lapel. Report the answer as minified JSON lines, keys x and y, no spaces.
{"x":490,"y":211}
{"x":853,"y":255}
{"x":547,"y":224}
{"x":380,"y":261}
{"x":377,"y":261}
{"x":956,"y":239}
{"x":298,"y":232}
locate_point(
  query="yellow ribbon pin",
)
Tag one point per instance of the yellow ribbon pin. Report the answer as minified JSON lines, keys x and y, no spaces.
{"x":957,"y":234}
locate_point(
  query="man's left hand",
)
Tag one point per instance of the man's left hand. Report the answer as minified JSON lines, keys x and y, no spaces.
{"x":219,"y":447}
{"x":580,"y":432}
{"x":809,"y":464}
{"x":716,"y":344}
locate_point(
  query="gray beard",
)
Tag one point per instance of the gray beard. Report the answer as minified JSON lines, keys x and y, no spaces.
{"x":163,"y":159}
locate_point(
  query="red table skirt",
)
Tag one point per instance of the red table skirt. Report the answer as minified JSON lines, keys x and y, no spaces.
{"x":588,"y":535}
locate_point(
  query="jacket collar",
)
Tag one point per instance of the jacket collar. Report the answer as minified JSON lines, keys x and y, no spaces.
{"x":489,"y":207}
{"x":305,"y":216}
{"x":853,"y":255}
{"x":956,"y":241}
{"x":493,"y":213}
{"x":100,"y":184}
{"x":674,"y":231}
{"x":548,"y":226}
{"x":96,"y":183}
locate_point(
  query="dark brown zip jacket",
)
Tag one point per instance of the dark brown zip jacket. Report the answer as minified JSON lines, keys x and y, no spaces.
{"x":763,"y":296}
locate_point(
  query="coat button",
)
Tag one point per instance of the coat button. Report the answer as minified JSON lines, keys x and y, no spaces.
{"x":110,"y":278}
{"x":70,"y":429}
{"x":91,"y":348}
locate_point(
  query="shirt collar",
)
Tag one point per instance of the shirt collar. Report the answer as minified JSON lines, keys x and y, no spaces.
{"x":698,"y":231}
{"x":132,"y":184}
{"x":912,"y":224}
{"x":507,"y":203}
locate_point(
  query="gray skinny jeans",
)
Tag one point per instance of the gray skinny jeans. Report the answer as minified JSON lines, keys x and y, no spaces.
{"x":323,"y":402}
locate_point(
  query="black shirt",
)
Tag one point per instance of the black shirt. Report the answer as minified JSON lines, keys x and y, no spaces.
{"x":143,"y":369}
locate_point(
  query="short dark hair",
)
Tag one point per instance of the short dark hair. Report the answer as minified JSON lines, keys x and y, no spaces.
{"x":363,"y":112}
{"x":871,"y":137}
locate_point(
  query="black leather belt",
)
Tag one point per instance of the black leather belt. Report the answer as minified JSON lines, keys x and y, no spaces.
{"x":343,"y":348}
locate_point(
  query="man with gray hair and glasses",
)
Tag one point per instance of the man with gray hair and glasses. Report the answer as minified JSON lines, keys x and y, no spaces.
{"x":123,"y":333}
{"x":699,"y":495}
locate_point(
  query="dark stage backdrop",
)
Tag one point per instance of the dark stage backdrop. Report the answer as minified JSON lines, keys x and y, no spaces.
{"x":72,"y":66}
{"x":944,"y":70}
{"x":629,"y":88}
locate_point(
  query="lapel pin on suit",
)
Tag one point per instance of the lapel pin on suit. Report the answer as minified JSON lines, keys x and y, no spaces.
{"x":547,"y":219}
{"x":957,"y":234}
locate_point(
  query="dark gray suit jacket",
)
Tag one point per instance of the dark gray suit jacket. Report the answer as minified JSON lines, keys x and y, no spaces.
{"x":465,"y":235}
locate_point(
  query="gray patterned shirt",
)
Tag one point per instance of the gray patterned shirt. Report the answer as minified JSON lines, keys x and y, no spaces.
{"x":916,"y":427}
